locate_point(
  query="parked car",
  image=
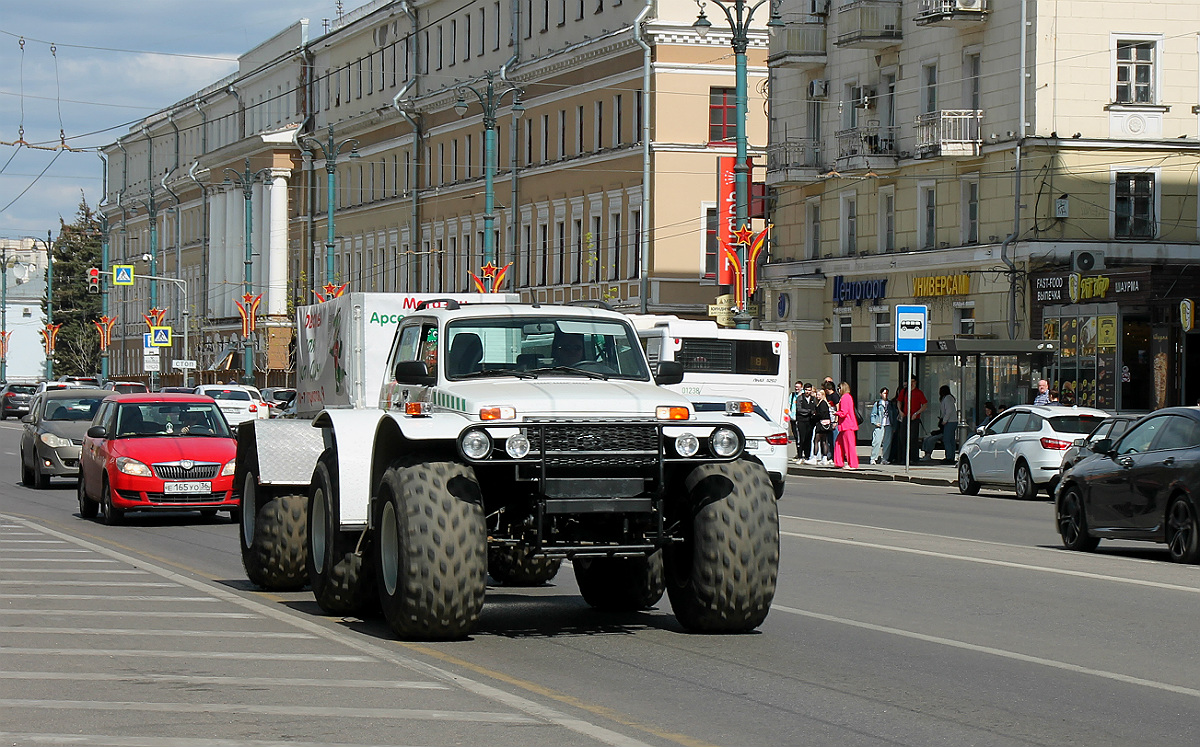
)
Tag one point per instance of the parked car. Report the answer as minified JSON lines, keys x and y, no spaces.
{"x":53,"y":433}
{"x":54,"y":386}
{"x":1023,"y":447}
{"x":88,"y":381}
{"x":277,"y":398}
{"x":15,"y":398}
{"x":153,"y":452}
{"x":1142,"y":486}
{"x":239,"y":403}
{"x":1111,"y":428}
{"x":126,"y":387}
{"x":178,"y":390}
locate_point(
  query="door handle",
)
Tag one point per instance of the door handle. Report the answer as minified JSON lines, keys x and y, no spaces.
{"x":1125,"y":462}
{"x":1168,"y":461}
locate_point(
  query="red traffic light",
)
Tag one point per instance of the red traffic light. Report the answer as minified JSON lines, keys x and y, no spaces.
{"x":93,"y":279}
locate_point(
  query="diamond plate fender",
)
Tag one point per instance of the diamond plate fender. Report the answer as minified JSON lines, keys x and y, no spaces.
{"x":286,"y":451}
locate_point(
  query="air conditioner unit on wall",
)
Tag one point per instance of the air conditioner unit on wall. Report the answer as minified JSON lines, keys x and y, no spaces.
{"x":1086,"y":260}
{"x":968,"y":4}
{"x":818,"y":89}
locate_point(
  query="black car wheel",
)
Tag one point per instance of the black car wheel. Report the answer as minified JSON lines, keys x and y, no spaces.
{"x":88,"y":509}
{"x":967,"y":484}
{"x":1072,"y":522}
{"x":1025,"y":488}
{"x":1183,"y":535}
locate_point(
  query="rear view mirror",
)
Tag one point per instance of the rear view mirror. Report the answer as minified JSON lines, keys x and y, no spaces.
{"x":415,"y":373}
{"x":668,"y":372}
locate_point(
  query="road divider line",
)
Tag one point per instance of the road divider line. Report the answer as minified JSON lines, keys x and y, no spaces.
{"x":151,"y":654}
{"x":127,"y":613}
{"x":109,"y":597}
{"x":999,"y":563}
{"x":1012,"y":655}
{"x":240,"y":634}
{"x":197,"y":679}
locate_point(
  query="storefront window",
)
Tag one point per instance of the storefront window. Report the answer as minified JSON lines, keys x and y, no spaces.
{"x":1084,"y":373}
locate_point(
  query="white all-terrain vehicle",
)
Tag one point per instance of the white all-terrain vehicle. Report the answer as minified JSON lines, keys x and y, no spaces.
{"x":506,"y":438}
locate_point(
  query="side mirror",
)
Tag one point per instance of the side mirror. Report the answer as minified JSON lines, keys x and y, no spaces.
{"x":1103,"y":446}
{"x":97,"y":431}
{"x":415,"y":373}
{"x":981,"y":431}
{"x":1079,"y":442}
{"x":668,"y":372}
{"x":27,"y":417}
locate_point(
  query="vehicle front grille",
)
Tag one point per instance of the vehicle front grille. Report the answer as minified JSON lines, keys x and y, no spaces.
{"x":593,"y":444}
{"x":175,"y":498}
{"x":176,"y":471}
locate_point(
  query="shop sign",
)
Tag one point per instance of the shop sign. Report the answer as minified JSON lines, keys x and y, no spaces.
{"x":1106,"y":331}
{"x":942,"y":285}
{"x":858,"y":290}
{"x":1187,"y":314}
{"x":1078,"y":288}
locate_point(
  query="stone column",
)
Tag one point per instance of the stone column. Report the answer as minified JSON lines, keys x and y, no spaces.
{"x":276,"y":251}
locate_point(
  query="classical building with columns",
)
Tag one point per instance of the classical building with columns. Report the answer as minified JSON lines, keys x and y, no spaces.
{"x":605,"y":174}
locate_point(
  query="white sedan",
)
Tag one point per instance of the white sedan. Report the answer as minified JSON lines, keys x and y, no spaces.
{"x":237,"y":402}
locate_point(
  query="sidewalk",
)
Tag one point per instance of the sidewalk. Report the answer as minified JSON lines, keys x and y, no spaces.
{"x":922,"y":474}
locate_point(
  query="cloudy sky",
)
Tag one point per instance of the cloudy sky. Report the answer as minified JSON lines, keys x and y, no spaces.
{"x":112,"y":64}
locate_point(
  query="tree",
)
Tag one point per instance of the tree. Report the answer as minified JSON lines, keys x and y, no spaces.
{"x":77,"y":349}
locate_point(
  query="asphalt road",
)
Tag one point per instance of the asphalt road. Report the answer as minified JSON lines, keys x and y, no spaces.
{"x":905,"y":615}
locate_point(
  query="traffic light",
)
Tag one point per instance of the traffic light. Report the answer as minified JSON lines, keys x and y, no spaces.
{"x":93,"y":280}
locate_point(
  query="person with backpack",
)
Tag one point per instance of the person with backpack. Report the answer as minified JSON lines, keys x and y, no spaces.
{"x":804,"y":410}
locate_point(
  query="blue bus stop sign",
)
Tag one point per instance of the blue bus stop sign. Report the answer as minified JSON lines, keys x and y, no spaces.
{"x":912,"y":329}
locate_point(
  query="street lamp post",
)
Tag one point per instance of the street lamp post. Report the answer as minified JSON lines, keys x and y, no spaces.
{"x":183,"y":298}
{"x":49,"y":301}
{"x":490,"y":100}
{"x":246,"y":180}
{"x":103,"y":293}
{"x":151,"y":215}
{"x":330,"y":150}
{"x":739,"y":14}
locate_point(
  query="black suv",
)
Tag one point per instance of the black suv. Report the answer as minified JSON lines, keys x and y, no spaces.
{"x":14,"y":399}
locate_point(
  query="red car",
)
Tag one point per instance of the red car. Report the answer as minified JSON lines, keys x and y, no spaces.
{"x":150,"y":452}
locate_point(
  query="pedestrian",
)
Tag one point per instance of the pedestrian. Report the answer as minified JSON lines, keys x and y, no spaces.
{"x":947,"y":425}
{"x":803,"y":413}
{"x":1043,"y":395}
{"x":883,"y":417}
{"x":845,"y":451}
{"x":823,"y":419}
{"x":1052,"y":398}
{"x":791,"y":412}
{"x":989,"y":414}
{"x":831,"y":396}
{"x":912,"y":424}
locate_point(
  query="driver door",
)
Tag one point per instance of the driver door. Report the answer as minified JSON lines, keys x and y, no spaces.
{"x":984,"y":464}
{"x":1111,"y":502}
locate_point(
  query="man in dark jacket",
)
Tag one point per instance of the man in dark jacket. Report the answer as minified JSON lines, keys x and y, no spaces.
{"x":803,"y":412}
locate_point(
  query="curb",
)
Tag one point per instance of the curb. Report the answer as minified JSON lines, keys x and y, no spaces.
{"x":860,"y":474}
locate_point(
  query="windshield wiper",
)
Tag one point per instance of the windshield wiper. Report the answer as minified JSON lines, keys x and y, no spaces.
{"x":496,"y":372}
{"x":570,"y":369}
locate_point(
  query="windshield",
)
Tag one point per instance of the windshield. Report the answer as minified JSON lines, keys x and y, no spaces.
{"x":233,"y":394}
{"x":603,"y":348}
{"x":170,"y":419}
{"x":72,"y":408}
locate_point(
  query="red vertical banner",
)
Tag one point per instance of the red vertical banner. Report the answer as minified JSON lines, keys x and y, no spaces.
{"x":726,"y":215}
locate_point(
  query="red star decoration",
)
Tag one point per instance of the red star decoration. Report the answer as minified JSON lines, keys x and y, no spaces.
{"x":329,"y":289}
{"x":247,"y":298}
{"x":743,"y":235}
{"x":489,"y":270}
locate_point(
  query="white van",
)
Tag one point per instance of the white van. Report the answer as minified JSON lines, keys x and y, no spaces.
{"x":721,"y":363}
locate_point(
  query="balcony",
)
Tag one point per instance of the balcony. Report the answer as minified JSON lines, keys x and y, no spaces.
{"x":950,"y":12}
{"x":869,"y":24}
{"x":793,"y":162}
{"x":868,"y":146}
{"x":798,"y":46}
{"x":951,"y":133}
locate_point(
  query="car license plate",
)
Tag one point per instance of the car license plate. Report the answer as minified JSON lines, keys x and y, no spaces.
{"x":187,"y":487}
{"x":751,"y":443}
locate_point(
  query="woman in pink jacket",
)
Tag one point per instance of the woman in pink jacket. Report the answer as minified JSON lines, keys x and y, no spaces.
{"x":845,"y":449}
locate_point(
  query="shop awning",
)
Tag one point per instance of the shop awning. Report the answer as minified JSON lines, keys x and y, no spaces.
{"x":952,"y":346}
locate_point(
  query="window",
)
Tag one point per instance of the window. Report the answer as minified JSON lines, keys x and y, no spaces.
{"x":814,"y":230}
{"x":635,"y":255}
{"x":543,"y":270}
{"x":965,"y":321}
{"x":845,"y":328}
{"x":1134,"y":206}
{"x":453,"y":40}
{"x":560,"y":236}
{"x":614,"y":259}
{"x":1139,"y":439}
{"x":577,"y":271}
{"x":970,"y":218}
{"x":972,"y":68}
{"x":929,"y":99}
{"x":928,"y":213}
{"x":545,"y":138}
{"x":578,"y":130}
{"x":722,"y":119}
{"x":883,"y":327}
{"x":599,"y":126}
{"x":593,"y":249}
{"x":1135,"y":72}
{"x":887,"y":219}
{"x":562,"y":133}
{"x":849,"y":225}
{"x":710,"y":243}
{"x":618,"y":119}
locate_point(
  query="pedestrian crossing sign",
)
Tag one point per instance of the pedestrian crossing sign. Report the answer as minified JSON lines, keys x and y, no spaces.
{"x":122,"y":274}
{"x":160,"y":337}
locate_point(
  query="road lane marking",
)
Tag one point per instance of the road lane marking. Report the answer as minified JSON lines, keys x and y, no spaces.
{"x":84,"y":571}
{"x":151,"y":654}
{"x":306,"y":711}
{"x":1013,"y":655}
{"x":113,"y":597}
{"x":105,"y":740}
{"x":999,"y":563}
{"x":25,"y":560}
{"x":126,"y":613}
{"x":90,"y":584}
{"x":190,"y":679}
{"x":41,"y":630}
{"x":537,"y":710}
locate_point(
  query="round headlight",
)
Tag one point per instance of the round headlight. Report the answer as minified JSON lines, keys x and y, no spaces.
{"x":725,"y":443}
{"x":517,"y":446}
{"x":476,"y":444}
{"x":687,"y":445}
